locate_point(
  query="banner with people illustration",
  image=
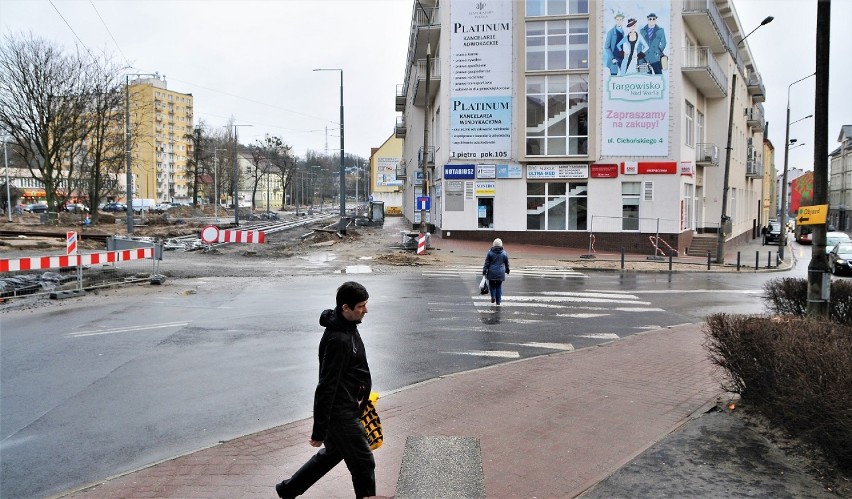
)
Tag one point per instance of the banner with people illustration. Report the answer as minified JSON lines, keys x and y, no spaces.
{"x":635,"y":75}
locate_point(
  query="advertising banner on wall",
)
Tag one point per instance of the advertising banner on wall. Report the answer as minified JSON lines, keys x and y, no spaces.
{"x":386,"y":173}
{"x":635,"y":94}
{"x":481,"y":79}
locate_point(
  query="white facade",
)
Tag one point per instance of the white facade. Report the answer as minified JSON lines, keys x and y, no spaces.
{"x":530,"y":135}
{"x":840,"y":186}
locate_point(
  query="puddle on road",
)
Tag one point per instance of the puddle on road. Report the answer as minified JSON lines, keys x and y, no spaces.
{"x":320,"y":257}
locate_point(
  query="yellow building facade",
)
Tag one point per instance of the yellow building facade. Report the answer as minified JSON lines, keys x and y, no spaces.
{"x":385,"y":187}
{"x":162,"y":141}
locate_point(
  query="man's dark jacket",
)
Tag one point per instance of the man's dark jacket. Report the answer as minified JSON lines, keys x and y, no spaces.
{"x":344,"y":375}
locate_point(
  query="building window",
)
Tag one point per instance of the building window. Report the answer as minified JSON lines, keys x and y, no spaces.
{"x":557,"y":45}
{"x":535,"y":8}
{"x":556,"y":205}
{"x":689,"y":121}
{"x":485,"y":213}
{"x":557,"y":115}
{"x":630,"y":205}
{"x":699,"y":127}
{"x":688,"y":195}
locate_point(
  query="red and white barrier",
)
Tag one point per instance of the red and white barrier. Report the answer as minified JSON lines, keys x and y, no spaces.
{"x":54,"y":262}
{"x":211,"y":234}
{"x":242,"y":236}
{"x":421,"y":244}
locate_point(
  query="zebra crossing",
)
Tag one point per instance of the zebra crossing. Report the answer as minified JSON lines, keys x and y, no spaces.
{"x":547,"y":271}
{"x":548,"y":311}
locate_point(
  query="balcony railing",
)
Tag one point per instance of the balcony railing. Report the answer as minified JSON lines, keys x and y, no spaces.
{"x":400,"y":97}
{"x":707,"y":154}
{"x":426,"y":16}
{"x":754,"y":168}
{"x":401,"y":172}
{"x":399,"y":129}
{"x":704,"y":17}
{"x":434,"y":80}
{"x":430,"y":156}
{"x":754,"y":117}
{"x":700,"y":67}
{"x":755,"y":87}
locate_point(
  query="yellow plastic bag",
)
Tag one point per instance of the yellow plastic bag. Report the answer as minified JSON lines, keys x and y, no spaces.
{"x":372,"y":423}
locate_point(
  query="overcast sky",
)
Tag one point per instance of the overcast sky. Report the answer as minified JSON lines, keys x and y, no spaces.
{"x":253,"y":60}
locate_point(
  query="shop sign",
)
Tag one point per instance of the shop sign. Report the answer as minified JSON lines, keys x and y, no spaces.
{"x":557,"y":171}
{"x":486,"y":171}
{"x":459,"y":171}
{"x":603,"y":171}
{"x":486,"y":188}
{"x":510,"y":171}
{"x":649,"y":168}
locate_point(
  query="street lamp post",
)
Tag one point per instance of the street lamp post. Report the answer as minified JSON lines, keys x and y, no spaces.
{"x":720,"y":247}
{"x":787,"y":143}
{"x":236,"y":178}
{"x":216,"y":182}
{"x":8,"y":190}
{"x":127,"y":145}
{"x":342,"y":224}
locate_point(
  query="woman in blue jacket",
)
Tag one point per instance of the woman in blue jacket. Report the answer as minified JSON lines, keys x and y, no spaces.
{"x":496,"y":269}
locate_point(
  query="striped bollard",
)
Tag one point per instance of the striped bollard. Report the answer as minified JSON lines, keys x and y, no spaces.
{"x":421,"y":244}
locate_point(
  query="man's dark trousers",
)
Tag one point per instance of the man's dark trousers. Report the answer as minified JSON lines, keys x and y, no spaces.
{"x":346,"y":441}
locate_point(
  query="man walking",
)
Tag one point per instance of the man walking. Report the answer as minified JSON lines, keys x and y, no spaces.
{"x":341,"y":394}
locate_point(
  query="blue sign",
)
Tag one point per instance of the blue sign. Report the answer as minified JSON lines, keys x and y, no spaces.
{"x":423,"y":203}
{"x":459,"y":172}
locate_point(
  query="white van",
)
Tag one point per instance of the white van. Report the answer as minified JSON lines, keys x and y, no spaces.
{"x":143,"y":204}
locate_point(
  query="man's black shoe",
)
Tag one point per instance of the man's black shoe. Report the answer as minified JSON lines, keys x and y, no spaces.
{"x":279,"y":489}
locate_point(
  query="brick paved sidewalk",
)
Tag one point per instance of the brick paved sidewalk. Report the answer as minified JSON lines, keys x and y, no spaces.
{"x":548,"y":426}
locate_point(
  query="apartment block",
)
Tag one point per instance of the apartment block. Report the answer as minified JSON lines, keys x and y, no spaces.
{"x":162,"y":143}
{"x":577,"y":123}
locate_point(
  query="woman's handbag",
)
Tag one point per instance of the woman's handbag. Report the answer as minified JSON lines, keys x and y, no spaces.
{"x":372,"y":423}
{"x":483,"y":286}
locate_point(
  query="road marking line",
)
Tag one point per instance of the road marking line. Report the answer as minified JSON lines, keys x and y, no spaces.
{"x":358,"y":269}
{"x":567,"y":347}
{"x":600,"y":336}
{"x":504,"y":354}
{"x":127,"y":329}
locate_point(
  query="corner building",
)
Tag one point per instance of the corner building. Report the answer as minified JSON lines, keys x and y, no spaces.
{"x":582,"y":123}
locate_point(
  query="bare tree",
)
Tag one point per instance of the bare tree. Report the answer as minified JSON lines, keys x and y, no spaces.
{"x":270,"y":156}
{"x":43,"y":101}
{"x":103,"y":154}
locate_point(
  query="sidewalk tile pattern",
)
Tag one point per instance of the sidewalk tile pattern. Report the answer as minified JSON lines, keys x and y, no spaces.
{"x":549,"y":426}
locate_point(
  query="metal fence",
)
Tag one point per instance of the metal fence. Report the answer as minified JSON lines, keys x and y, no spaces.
{"x":127,"y":261}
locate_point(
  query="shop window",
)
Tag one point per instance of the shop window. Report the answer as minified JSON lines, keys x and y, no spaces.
{"x":485,"y":212}
{"x":630,"y":205}
{"x":556,"y":205}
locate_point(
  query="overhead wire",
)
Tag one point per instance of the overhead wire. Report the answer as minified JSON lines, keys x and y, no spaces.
{"x":126,"y":60}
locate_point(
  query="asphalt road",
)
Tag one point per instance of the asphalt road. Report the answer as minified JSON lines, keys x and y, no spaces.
{"x":89,"y":391}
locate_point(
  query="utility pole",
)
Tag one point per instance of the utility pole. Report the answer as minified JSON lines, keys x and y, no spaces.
{"x":423,"y":170}
{"x":197,"y":166}
{"x":819,"y":278}
{"x":720,"y":243}
{"x":129,"y":178}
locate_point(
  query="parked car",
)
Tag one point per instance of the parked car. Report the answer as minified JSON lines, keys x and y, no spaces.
{"x":772,"y":235}
{"x":36,"y":208}
{"x":832,"y":238}
{"x":840,"y":258}
{"x":114,"y":207}
{"x":76,"y":208}
{"x":162,"y":207}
